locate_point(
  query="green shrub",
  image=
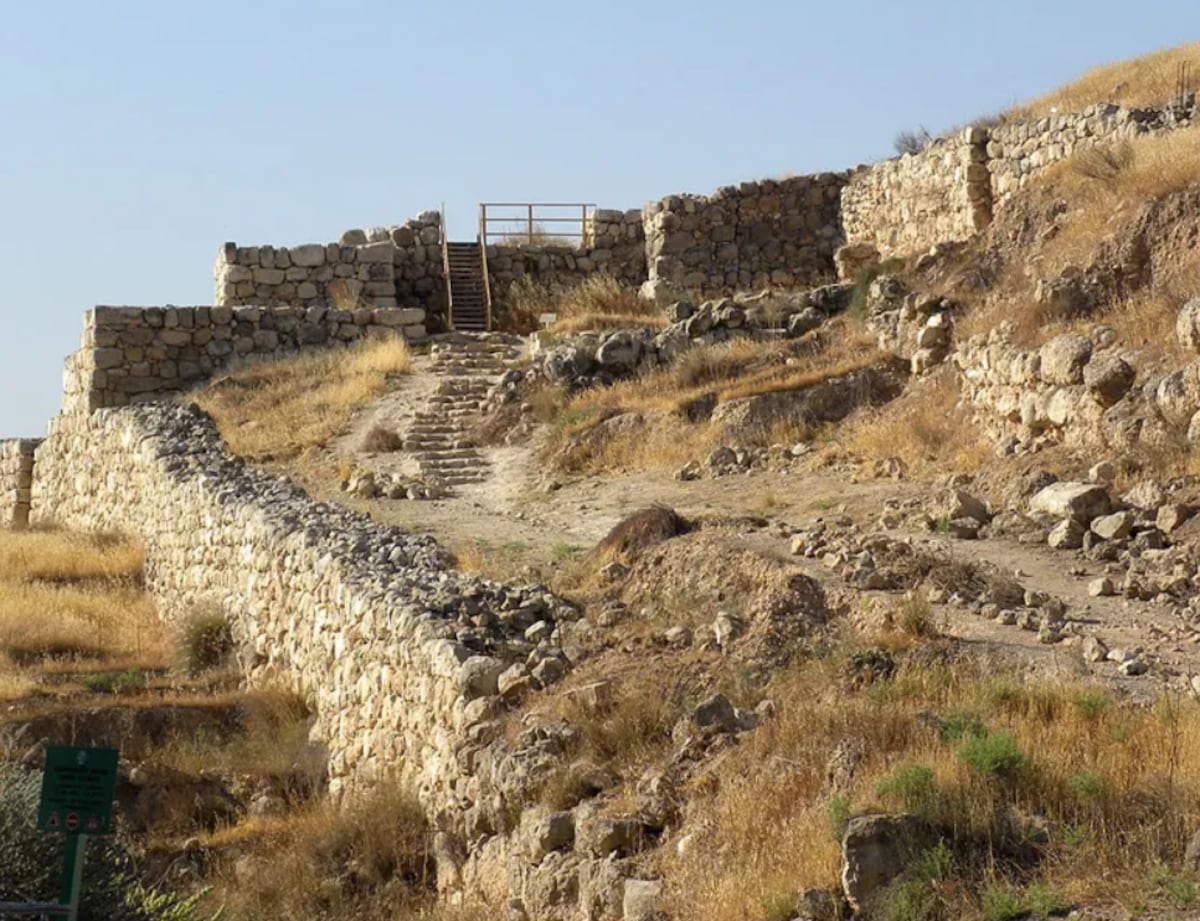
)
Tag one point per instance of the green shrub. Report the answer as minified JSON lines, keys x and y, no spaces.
{"x":1179,"y":890}
{"x":207,"y":639}
{"x":995,"y":755}
{"x":1046,"y":901}
{"x":1092,"y":704}
{"x":912,"y":784}
{"x":910,"y":900}
{"x":1087,"y":785}
{"x":862,"y":285}
{"x":31,"y":863}
{"x":839,"y":815}
{"x":130,"y":681}
{"x":936,"y":864}
{"x":957,"y":725}
{"x":1002,"y":903}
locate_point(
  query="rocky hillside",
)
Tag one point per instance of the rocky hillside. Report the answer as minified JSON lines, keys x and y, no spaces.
{"x":874,"y":600}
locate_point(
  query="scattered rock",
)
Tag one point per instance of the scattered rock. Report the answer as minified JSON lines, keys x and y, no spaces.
{"x":875,"y":850}
{"x":1113,"y":527}
{"x":1079,"y":501}
{"x":1101,"y":588}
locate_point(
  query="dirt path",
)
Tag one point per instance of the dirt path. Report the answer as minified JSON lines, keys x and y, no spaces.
{"x":515,"y":525}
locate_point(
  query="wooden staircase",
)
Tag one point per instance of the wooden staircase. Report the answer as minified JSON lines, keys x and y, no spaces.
{"x":466,"y":287}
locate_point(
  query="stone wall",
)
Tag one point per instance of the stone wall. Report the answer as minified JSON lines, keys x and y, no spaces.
{"x":907,"y":204}
{"x":780,"y":233}
{"x":385,"y":267}
{"x":138,"y":354}
{"x":1020,"y":151}
{"x":617,"y":248}
{"x":16,"y":479}
{"x":368,"y":621}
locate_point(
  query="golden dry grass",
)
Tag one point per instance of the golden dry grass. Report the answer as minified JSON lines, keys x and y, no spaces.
{"x":368,"y":858}
{"x":924,"y":428}
{"x":280,"y":409}
{"x":596,"y":303}
{"x":1143,"y":82}
{"x":1118,"y":787}
{"x":71,"y":595}
{"x":581,"y":442}
{"x":1101,"y":202}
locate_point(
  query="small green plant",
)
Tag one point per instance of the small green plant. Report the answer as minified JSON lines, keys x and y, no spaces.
{"x":936,"y":864}
{"x":1043,"y":899}
{"x":839,"y":815}
{"x":779,"y":906}
{"x":1179,"y":890}
{"x":910,"y":900}
{"x":207,"y":639}
{"x":130,"y":681}
{"x":862,"y":285}
{"x":957,"y":725}
{"x":995,"y":755}
{"x":1001,"y":902}
{"x":564,"y":552}
{"x":1087,"y":785}
{"x":912,"y":784}
{"x":1092,"y":704}
{"x":915,"y":617}
{"x":1074,"y":837}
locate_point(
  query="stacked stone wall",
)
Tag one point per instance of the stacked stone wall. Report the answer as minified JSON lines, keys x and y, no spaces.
{"x":139,"y":354}
{"x":385,"y":267}
{"x":907,"y":204}
{"x":780,"y":233}
{"x":616,"y":248}
{"x":1019,"y":152}
{"x":16,"y":480}
{"x":367,"y":621}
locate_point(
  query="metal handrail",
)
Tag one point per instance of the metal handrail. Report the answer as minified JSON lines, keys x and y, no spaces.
{"x":483,"y":265}
{"x":446,"y":270}
{"x":532,"y":219}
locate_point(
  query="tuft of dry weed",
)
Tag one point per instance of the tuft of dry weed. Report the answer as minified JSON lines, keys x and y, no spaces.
{"x":926,"y":429}
{"x":598,"y":302}
{"x":280,"y":409}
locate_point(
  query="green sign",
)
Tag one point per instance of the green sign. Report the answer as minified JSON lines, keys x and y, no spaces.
{"x":77,"y":790}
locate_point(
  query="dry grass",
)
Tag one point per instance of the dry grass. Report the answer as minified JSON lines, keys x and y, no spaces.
{"x":1143,"y":82}
{"x":925,"y":429}
{"x":583,"y":441}
{"x":76,"y":596}
{"x":369,"y":859}
{"x":1105,"y":187}
{"x":1117,"y":787}
{"x":274,"y":741}
{"x":598,"y":302}
{"x":280,"y":409}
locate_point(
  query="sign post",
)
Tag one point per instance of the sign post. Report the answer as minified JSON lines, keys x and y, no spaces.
{"x":77,"y":798}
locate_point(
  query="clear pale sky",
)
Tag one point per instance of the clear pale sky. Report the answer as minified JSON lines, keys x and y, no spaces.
{"x":135,"y":137}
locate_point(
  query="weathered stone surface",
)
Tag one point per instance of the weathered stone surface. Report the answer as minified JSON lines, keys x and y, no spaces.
{"x":1109,"y":378}
{"x":875,"y":850}
{"x":1187,"y":326}
{"x":1079,"y":501}
{"x":640,"y":902}
{"x":1113,"y":527}
{"x":1064,"y":357}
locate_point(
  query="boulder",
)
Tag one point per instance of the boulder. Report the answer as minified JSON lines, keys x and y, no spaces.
{"x":640,"y":901}
{"x":1063,"y":358}
{"x":805,"y":321}
{"x":1079,"y":501}
{"x":955,"y":503}
{"x":716,"y":713}
{"x":1187,"y":325}
{"x":852,"y":258}
{"x":875,"y":850}
{"x":1146,"y":495}
{"x":1108,"y":378}
{"x":1067,"y":535}
{"x":544,"y":832}
{"x":619,"y":352}
{"x":1113,"y":527}
{"x":1172,"y":516}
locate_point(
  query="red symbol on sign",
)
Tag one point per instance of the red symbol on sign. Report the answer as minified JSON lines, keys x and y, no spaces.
{"x":52,"y":822}
{"x":72,"y":821}
{"x":93,"y":824}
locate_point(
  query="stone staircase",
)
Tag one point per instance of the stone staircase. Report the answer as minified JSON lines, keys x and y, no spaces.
{"x":468,"y":293}
{"x":469,"y":366}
